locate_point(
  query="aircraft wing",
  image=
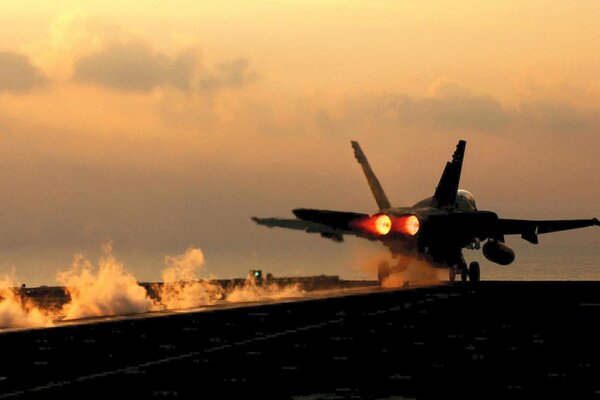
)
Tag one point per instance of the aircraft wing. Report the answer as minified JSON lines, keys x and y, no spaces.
{"x":530,"y":229}
{"x":329,"y":224}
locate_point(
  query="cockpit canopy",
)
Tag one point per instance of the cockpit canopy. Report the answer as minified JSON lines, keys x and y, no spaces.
{"x":465,"y":201}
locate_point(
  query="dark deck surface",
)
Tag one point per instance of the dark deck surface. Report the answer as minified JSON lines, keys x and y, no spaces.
{"x":492,"y":340}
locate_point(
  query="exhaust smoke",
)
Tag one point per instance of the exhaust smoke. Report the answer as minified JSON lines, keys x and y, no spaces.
{"x":415,"y":270}
{"x":418,"y":271}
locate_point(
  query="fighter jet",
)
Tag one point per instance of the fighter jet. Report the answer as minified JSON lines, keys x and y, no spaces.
{"x":435,"y":229}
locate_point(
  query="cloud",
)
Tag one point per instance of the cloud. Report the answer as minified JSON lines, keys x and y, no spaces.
{"x":18,"y":75}
{"x":556,"y":117}
{"x":453,"y":112}
{"x":135,"y":66}
{"x":452,"y":107}
{"x":231,"y":74}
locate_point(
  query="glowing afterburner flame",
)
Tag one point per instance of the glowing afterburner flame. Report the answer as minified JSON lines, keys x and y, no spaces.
{"x":383,"y":224}
{"x":379,"y":224}
{"x":408,"y":224}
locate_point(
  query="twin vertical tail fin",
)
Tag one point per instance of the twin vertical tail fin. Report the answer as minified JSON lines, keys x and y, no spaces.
{"x":378,"y":193}
{"x":445,"y":192}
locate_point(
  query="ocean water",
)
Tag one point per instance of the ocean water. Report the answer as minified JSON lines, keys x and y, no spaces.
{"x":552,"y":259}
{"x":544,"y":262}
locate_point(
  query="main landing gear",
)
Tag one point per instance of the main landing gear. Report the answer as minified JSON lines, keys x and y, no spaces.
{"x":471,"y":273}
{"x":474,"y":272}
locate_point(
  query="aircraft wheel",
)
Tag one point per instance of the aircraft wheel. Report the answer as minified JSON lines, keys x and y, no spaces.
{"x":452,"y":274}
{"x":383,"y":271}
{"x":474,"y":271}
{"x":464,"y":274}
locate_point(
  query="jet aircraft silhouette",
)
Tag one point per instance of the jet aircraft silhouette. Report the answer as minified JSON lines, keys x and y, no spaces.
{"x":435,"y":229}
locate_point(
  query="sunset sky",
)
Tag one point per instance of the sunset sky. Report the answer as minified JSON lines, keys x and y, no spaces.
{"x":168,"y":125}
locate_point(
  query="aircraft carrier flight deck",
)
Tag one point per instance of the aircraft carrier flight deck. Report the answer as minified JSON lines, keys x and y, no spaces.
{"x":459,"y":340}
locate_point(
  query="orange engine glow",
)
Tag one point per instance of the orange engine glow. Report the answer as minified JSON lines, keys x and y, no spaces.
{"x":408,"y":225}
{"x":383,"y":224}
{"x":379,"y":224}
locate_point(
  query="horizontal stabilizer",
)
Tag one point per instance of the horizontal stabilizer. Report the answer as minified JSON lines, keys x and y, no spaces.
{"x":335,"y":219}
{"x":298,"y":224}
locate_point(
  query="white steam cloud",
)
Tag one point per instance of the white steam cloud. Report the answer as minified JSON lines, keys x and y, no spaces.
{"x":17,"y":311}
{"x":181,"y":287}
{"x":109,"y":289}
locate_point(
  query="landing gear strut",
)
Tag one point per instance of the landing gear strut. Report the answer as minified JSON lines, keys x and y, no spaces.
{"x":452,"y":274}
{"x":458,"y":269}
{"x":471,"y":273}
{"x":464,"y":273}
{"x":383,"y":271}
